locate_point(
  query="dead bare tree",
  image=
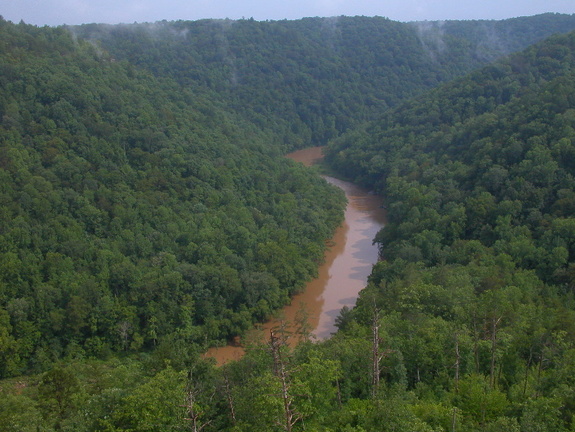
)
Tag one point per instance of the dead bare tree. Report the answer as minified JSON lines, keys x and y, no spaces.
{"x":494,"y":329}
{"x":291,"y":416}
{"x":457,"y":362}
{"x":377,"y":355}
{"x":193,"y":410}
{"x":229,"y":397}
{"x":124,"y":328}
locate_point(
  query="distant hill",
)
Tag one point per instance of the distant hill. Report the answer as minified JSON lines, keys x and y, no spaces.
{"x":309,"y":80}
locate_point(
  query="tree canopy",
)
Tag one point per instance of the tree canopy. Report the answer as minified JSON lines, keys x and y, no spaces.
{"x":136,"y":214}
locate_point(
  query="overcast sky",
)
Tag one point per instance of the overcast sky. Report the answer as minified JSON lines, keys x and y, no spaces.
{"x":57,"y":12}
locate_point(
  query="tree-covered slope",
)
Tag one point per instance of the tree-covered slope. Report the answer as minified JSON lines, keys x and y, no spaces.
{"x":474,"y":159}
{"x":135,"y":214}
{"x":309,"y":80}
{"x":474,"y":300}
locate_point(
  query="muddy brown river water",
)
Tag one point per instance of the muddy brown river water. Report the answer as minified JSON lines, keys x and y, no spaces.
{"x":343,"y":274}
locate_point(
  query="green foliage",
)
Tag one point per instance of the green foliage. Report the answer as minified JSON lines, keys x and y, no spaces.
{"x":155,"y":405}
{"x":19,"y":414}
{"x":146,"y":211}
{"x":56,"y":393}
{"x":457,"y":169}
{"x":309,"y":80}
{"x":137,"y":214}
{"x":475,"y":294}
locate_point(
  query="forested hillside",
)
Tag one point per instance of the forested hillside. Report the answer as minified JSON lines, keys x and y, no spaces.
{"x":136,"y":215}
{"x":146,"y":212}
{"x":309,"y":80}
{"x":475,"y":300}
{"x":485,"y":159}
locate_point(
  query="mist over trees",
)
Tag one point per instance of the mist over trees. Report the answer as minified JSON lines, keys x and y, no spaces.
{"x":309,"y":80}
{"x":148,"y":212}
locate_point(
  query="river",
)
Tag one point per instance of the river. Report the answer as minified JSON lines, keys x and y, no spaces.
{"x":343,"y":274}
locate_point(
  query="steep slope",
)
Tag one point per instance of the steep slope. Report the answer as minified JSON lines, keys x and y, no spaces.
{"x":134,"y":214}
{"x":476,"y":293}
{"x":502,"y":136}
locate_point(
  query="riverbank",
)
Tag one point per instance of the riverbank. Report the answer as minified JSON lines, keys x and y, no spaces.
{"x":348,"y":263}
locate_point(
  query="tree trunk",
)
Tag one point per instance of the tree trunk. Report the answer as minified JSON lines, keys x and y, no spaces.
{"x":375,"y":355}
{"x":457,"y":363}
